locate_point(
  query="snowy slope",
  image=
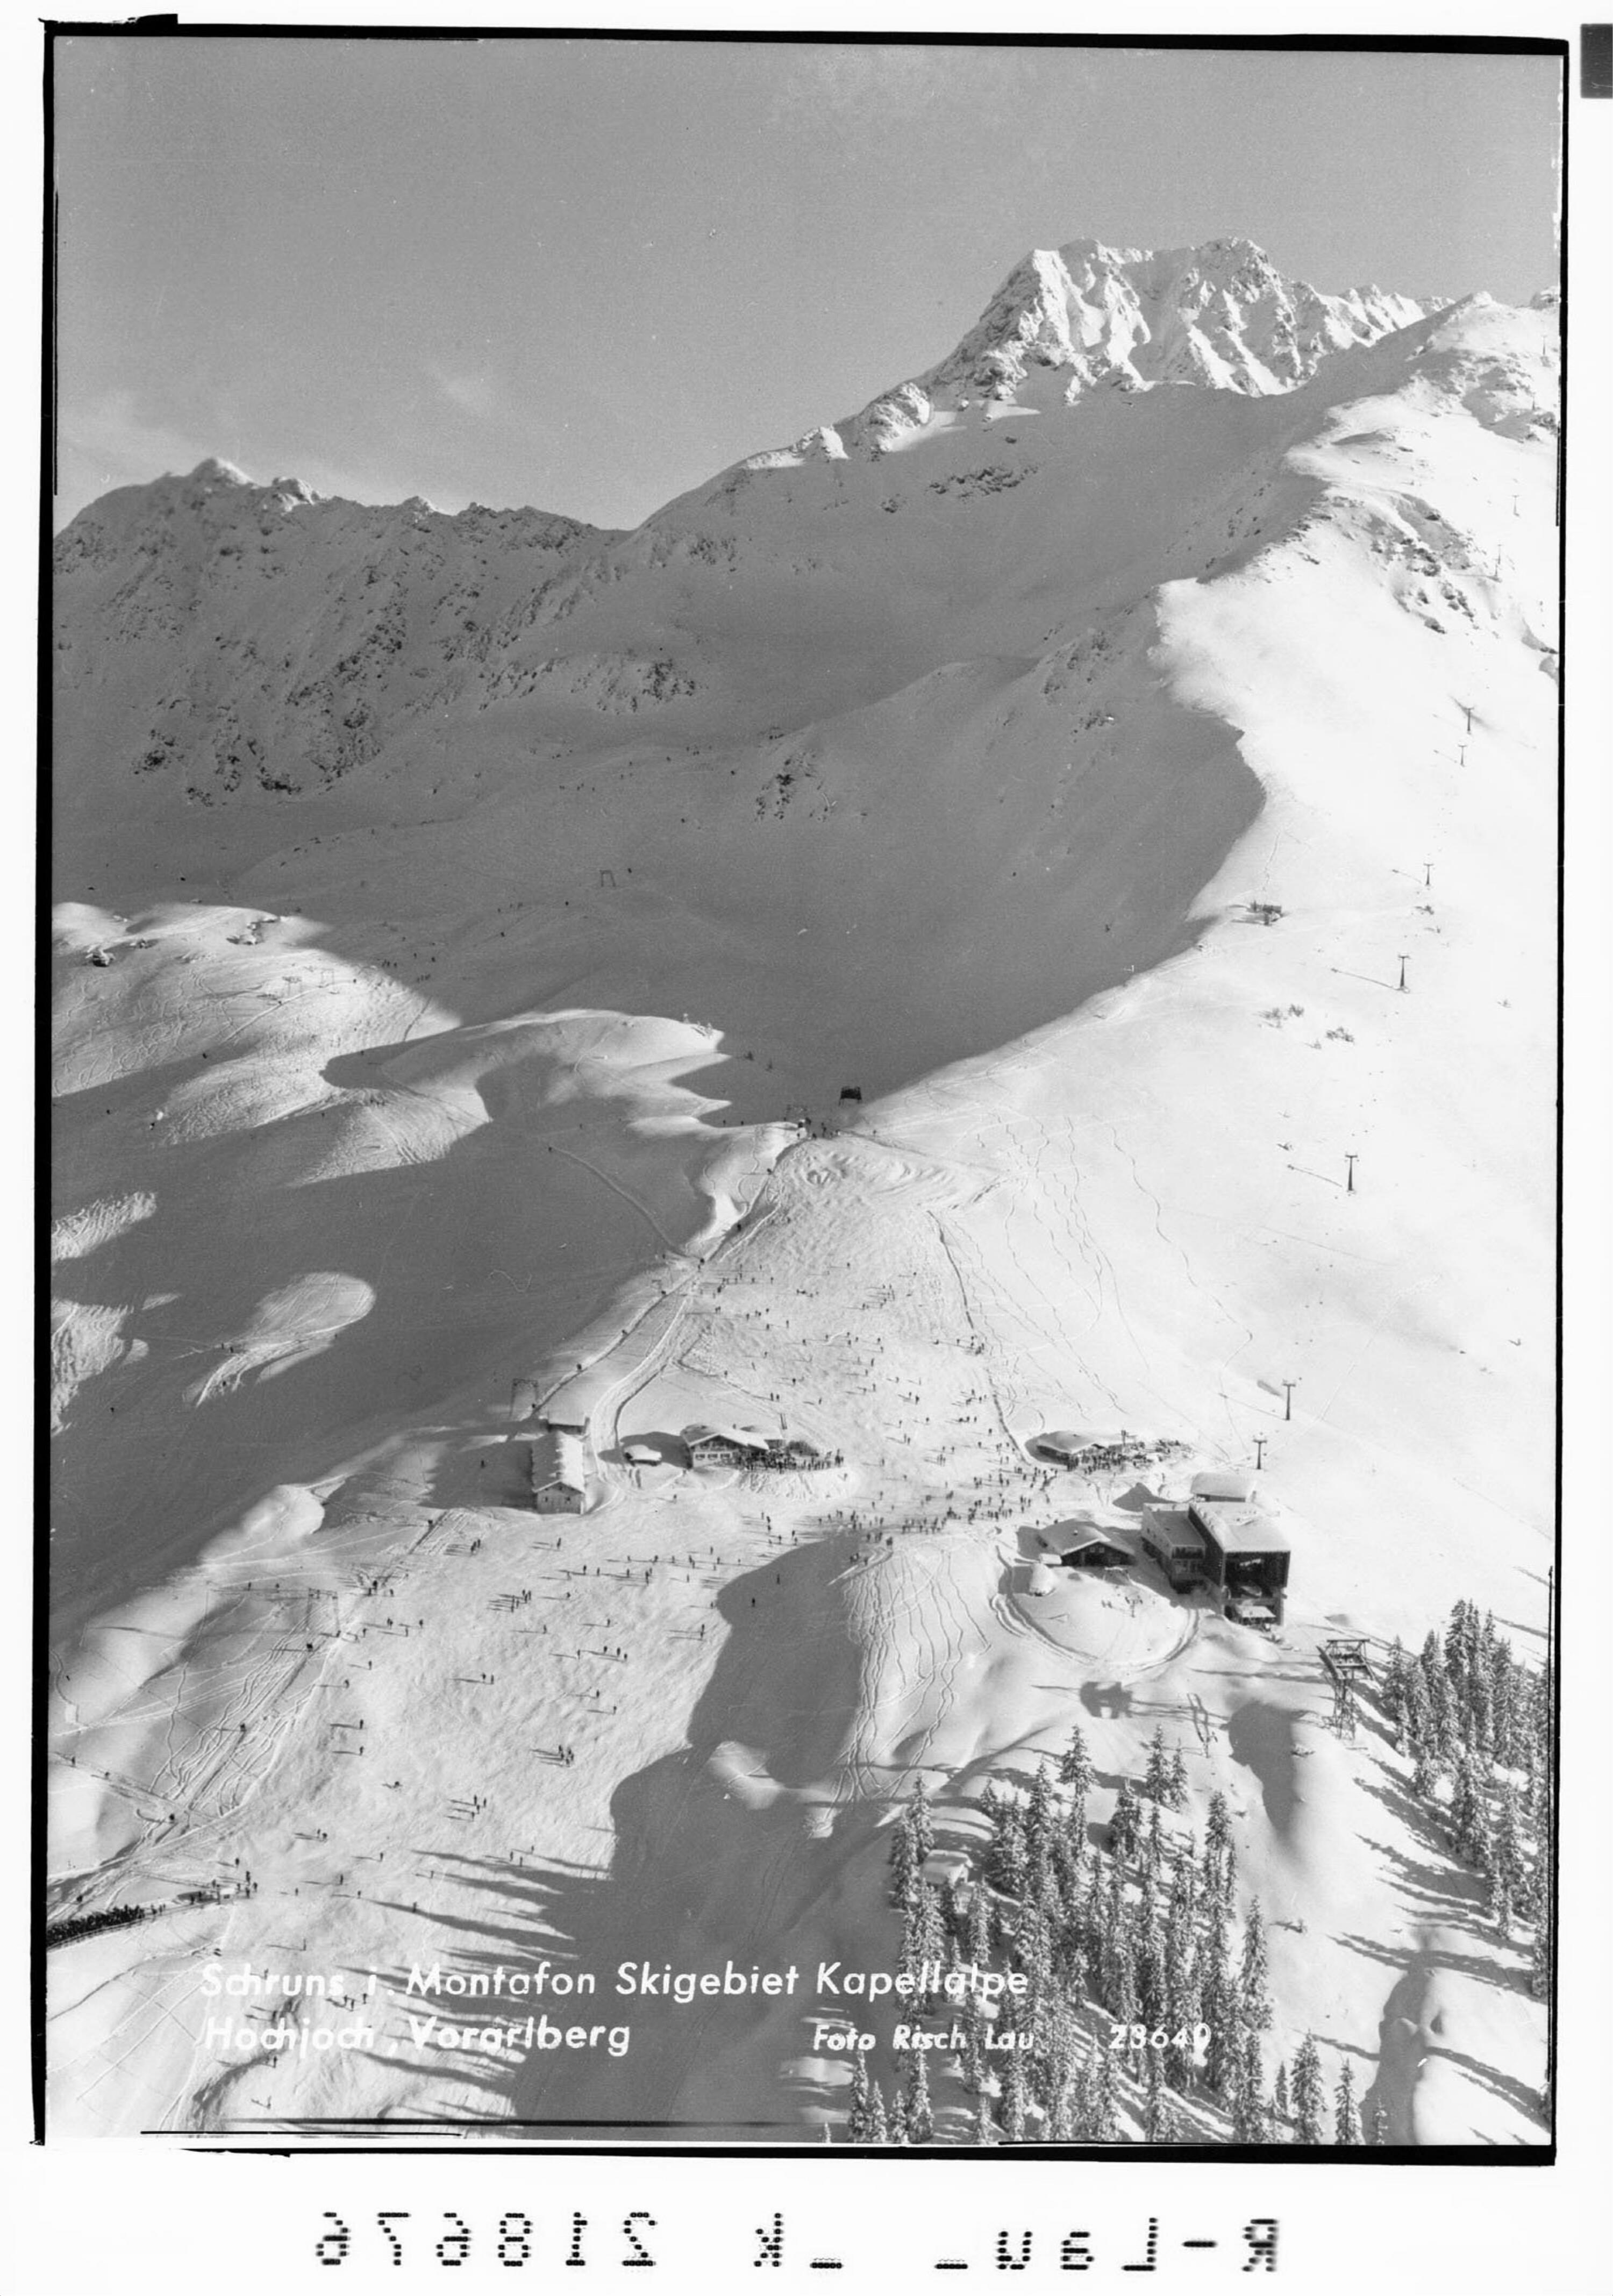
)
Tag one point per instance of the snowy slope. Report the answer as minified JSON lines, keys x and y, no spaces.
{"x":480,"y":897}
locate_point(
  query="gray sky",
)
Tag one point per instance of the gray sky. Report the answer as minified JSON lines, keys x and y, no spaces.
{"x":586,"y":274}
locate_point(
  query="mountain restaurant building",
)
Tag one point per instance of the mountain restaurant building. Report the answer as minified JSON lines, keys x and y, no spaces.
{"x":1246,"y":1558}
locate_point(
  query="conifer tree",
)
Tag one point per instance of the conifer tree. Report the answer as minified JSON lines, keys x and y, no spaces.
{"x":1181,"y":1998}
{"x":1105,"y":2119}
{"x":1431,"y":1658}
{"x":878,"y":2126}
{"x":897,"y":2118}
{"x":1307,"y":2092}
{"x":1176,"y":1796}
{"x":1217,"y":1850}
{"x":1249,"y":2122}
{"x":974,"y":2045}
{"x":1039,"y":1813}
{"x":902,"y":1858}
{"x":984,"y":2128}
{"x":1218,"y":1828}
{"x":923,"y":1830}
{"x":1006,"y":1858}
{"x":1153,"y":2097}
{"x":1013,"y":2102}
{"x":1074,"y":1765}
{"x":1120,"y":1965}
{"x":1416,"y":1715}
{"x":1218,"y":2003}
{"x":1069,"y":1860}
{"x":1540,"y":1958}
{"x":1157,"y":1777}
{"x":856,"y":2120}
{"x":1378,"y":2127}
{"x":1254,"y":1997}
{"x":920,"y":2113}
{"x":1280,"y":2092}
{"x":956,"y":1905}
{"x":1078,"y":2099}
{"x":1123,"y":1826}
{"x":1153,"y":1991}
{"x":1187,"y":1876}
{"x":1346,"y":2117}
{"x":979,"y":1946}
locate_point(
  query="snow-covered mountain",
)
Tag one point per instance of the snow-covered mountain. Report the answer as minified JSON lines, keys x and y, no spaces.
{"x":1076,"y":318}
{"x":469,"y":928}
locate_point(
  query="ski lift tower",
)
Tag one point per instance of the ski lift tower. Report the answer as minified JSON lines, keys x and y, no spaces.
{"x":1344,"y":1660}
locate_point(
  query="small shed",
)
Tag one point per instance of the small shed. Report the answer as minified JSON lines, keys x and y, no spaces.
{"x":945,"y":1869}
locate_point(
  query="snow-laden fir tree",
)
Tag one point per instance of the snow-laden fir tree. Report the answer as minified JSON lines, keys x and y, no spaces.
{"x":975,"y":2025}
{"x":1307,"y":2092}
{"x":1119,"y":1965}
{"x":1157,"y":1776}
{"x":1006,"y":1859}
{"x":1218,"y":2003}
{"x":1346,"y":2115}
{"x":1177,"y":1797}
{"x":903,"y":1857}
{"x":1470,"y":1817}
{"x":924,"y":1828}
{"x":1105,"y":2115}
{"x":1153,"y":2097}
{"x":878,"y":2126}
{"x":1250,"y":2124}
{"x":858,"y":2101}
{"x":897,"y":2116}
{"x":1153,"y":1992}
{"x":1012,"y":2109}
{"x":920,"y":2113}
{"x":1254,"y":1975}
{"x":1039,"y":1812}
{"x":1280,"y":2094}
{"x":978,"y":1943}
{"x":1075,"y":1766}
{"x":1123,"y":1827}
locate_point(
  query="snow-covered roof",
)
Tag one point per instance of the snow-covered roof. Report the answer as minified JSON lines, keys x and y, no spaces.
{"x":1224,"y":1483}
{"x":1069,"y":1538}
{"x":1243,"y":1530}
{"x":557,"y":1457}
{"x":749,"y":1438}
{"x":1174,"y":1525}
